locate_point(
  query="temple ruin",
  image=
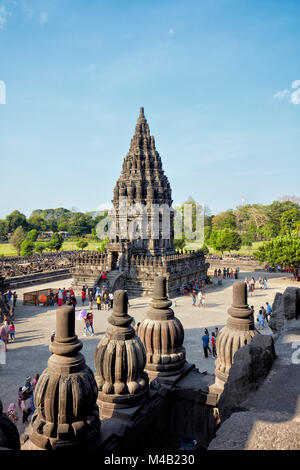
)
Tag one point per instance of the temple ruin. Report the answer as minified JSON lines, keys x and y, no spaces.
{"x":141,"y":243}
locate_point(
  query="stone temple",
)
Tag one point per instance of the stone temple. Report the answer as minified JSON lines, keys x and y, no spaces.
{"x":142,"y":230}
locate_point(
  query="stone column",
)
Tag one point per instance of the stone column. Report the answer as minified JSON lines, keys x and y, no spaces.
{"x":238,"y":332}
{"x":120,"y":359}
{"x":162,"y":335}
{"x":66,"y":415}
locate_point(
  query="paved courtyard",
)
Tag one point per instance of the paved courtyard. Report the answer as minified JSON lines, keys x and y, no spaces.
{"x":30,"y":351}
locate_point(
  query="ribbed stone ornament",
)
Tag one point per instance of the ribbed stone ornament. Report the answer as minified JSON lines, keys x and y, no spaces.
{"x":162,"y":334}
{"x":120,"y":359}
{"x":238,"y":332}
{"x":66,"y":414}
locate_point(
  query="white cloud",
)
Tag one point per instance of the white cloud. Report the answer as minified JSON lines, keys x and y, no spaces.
{"x":282,"y":94}
{"x":171,"y":32}
{"x":296,"y":84}
{"x":294,"y":96}
{"x":3,"y":17}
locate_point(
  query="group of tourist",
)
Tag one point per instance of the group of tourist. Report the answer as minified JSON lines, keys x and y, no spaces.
{"x":263,"y":316}
{"x":198,"y":298}
{"x":228,"y":273}
{"x":25,"y":401}
{"x":206,"y":341}
{"x":251,"y":283}
{"x":63,"y":296}
{"x":100,"y":295}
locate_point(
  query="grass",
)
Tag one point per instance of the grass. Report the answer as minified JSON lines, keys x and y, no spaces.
{"x":244,"y":250}
{"x":6,"y":249}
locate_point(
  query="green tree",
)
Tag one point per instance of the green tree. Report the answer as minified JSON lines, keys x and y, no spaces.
{"x":224,"y":220}
{"x":17,"y":238}
{"x":56,"y":242}
{"x":40,"y":247}
{"x":27,"y":248}
{"x":226,"y":239}
{"x":179,"y":243}
{"x":205,"y":249}
{"x":82,"y":244}
{"x":283,"y":250}
{"x":15,"y":220}
{"x":32,"y":235}
{"x":3,"y":229}
{"x":289,"y":221}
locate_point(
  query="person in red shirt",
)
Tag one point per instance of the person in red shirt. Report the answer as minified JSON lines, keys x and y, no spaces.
{"x":83,"y":297}
{"x":90,"y":317}
{"x":213,"y":344}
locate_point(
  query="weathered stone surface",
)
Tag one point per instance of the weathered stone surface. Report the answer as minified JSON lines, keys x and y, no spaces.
{"x":66,"y":415}
{"x":120,"y":359}
{"x":285,"y":307}
{"x":238,"y":332}
{"x":162,"y":334}
{"x":142,"y":254}
{"x":9,"y":436}
{"x":250,"y":366}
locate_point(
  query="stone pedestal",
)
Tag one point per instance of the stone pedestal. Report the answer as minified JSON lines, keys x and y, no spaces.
{"x":66,"y":415}
{"x":162,"y":335}
{"x":120,"y":359}
{"x":238,"y":332}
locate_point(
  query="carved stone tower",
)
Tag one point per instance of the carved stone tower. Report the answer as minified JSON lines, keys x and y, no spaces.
{"x":238,"y":332}
{"x":120,"y":359}
{"x":142,"y":199}
{"x":66,"y":415}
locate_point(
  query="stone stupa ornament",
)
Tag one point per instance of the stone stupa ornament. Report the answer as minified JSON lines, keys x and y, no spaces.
{"x":66,"y":415}
{"x":238,"y":332}
{"x":120,"y":359}
{"x":162,"y":335}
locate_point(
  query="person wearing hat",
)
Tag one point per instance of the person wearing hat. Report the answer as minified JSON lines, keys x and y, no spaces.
{"x":25,"y":404}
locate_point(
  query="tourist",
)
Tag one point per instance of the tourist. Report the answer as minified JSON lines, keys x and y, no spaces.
{"x":216,"y":273}
{"x":52,"y":336}
{"x":111,"y":300}
{"x":87,"y":326}
{"x":203,"y":301}
{"x":265,"y":283}
{"x":213,"y":344}
{"x":35,"y":380}
{"x":260,"y":320}
{"x":11,"y":413}
{"x":60,"y":297}
{"x":205,"y":341}
{"x":15,"y":299}
{"x":194,"y":298}
{"x":20,"y":397}
{"x":91,"y":300}
{"x":105,"y":301}
{"x":238,"y":272}
{"x":219,"y":279}
{"x":235,"y":273}
{"x":199,"y":298}
{"x":224,"y":273}
{"x":83,"y":296}
{"x":12,"y":331}
{"x":26,"y":404}
{"x":216,"y":332}
{"x":264,"y":312}
{"x":269,"y":311}
{"x":207,"y":333}
{"x":90,"y":318}
{"x":4,"y":335}
{"x":260,"y":283}
{"x":98,"y":302}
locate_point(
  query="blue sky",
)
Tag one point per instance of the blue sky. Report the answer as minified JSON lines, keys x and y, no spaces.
{"x":218,"y":80}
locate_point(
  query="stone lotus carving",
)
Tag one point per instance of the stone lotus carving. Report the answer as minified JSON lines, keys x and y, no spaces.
{"x":65,"y":397}
{"x":162,"y":333}
{"x":120,"y":358}
{"x":238,"y":332}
